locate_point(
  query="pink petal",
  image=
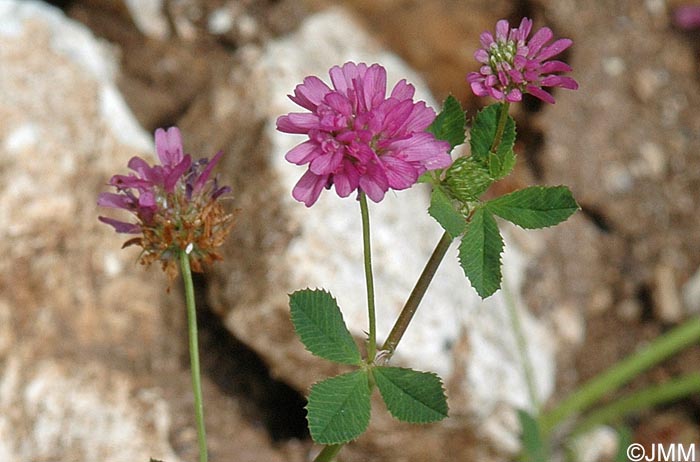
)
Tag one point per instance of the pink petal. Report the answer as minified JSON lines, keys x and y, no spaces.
{"x":541,"y":37}
{"x":422,"y":148}
{"x":115,"y":201}
{"x":169,"y":146}
{"x":309,"y":187}
{"x":206,"y":173}
{"x":540,"y":94}
{"x":554,"y":49}
{"x":524,"y":29}
{"x":554,"y":66}
{"x":339,"y":102}
{"x":482,"y":56}
{"x":296,"y":122}
{"x":121,"y":226}
{"x":303,"y":153}
{"x":390,"y":116}
{"x":326,"y":163}
{"x":174,"y":174}
{"x":403,"y":90}
{"x":502,"y":29}
{"x":486,"y":39}
{"x":514,"y":96}
{"x":568,"y":83}
{"x":400,"y":174}
{"x":420,"y":118}
{"x":374,"y":86}
{"x":347,"y":180}
{"x":479,"y":89}
{"x":310,"y":93}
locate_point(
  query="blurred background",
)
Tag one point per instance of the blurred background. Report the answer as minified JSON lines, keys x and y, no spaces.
{"x":93,"y":359}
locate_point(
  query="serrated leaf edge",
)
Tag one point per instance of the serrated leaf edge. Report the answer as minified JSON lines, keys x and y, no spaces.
{"x":355,"y":350}
{"x":344,"y":440}
{"x":432,"y":374}
{"x":500,"y":254}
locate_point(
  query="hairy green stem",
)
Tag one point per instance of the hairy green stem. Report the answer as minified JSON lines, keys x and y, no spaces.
{"x":426,"y":277}
{"x":194,"y":354}
{"x":500,"y":128}
{"x":621,"y":373}
{"x":414,"y":299}
{"x":328,"y":453}
{"x":521,"y":342}
{"x":417,"y":294}
{"x":367,"y":248}
{"x":649,"y":397}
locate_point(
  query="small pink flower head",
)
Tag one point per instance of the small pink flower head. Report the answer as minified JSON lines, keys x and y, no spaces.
{"x":513,"y":65}
{"x":175,"y":204}
{"x":358,"y":138}
{"x":687,"y":16}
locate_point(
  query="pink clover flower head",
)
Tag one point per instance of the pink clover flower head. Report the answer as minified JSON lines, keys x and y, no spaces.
{"x":513,"y":65}
{"x":687,"y":17}
{"x":175,"y":204}
{"x":360,"y":139}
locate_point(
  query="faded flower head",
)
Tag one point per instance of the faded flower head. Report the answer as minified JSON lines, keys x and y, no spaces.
{"x":513,"y":65}
{"x":176,"y":205}
{"x":360,"y":139}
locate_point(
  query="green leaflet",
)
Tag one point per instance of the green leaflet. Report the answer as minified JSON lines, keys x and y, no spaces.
{"x":443,"y":211}
{"x":535,"y":207}
{"x":319,"y":323}
{"x":483,"y":131}
{"x":411,"y":396}
{"x":449,"y":124}
{"x":480,"y":253}
{"x":339,"y":408}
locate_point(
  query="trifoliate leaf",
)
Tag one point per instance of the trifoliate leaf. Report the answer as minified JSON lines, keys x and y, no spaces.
{"x":483,"y":131}
{"x":467,"y":179}
{"x":339,"y":408}
{"x":480,"y":253}
{"x":320,"y":326}
{"x":449,"y":124}
{"x":443,"y":211}
{"x":535,"y":207}
{"x":534,"y":449}
{"x":411,"y":396}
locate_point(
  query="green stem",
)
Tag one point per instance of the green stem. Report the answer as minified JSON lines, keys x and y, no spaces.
{"x":414,"y":299}
{"x":328,"y":453}
{"x":194,"y":354}
{"x":502,"y":118}
{"x":367,"y":247}
{"x":521,"y":342}
{"x":621,"y":373}
{"x":643,"y":399}
{"x":417,"y":294}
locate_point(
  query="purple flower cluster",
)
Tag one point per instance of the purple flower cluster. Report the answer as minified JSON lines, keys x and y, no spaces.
{"x":358,"y":138}
{"x":175,"y":203}
{"x":513,"y":65}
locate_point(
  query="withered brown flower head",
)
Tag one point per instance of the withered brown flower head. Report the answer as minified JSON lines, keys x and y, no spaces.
{"x":177,"y":205}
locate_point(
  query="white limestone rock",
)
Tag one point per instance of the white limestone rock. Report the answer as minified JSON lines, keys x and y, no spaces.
{"x":67,"y":330}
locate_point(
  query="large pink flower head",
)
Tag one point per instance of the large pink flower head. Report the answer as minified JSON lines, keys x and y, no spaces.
{"x":513,"y":65}
{"x":360,"y":139}
{"x":176,"y":204}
